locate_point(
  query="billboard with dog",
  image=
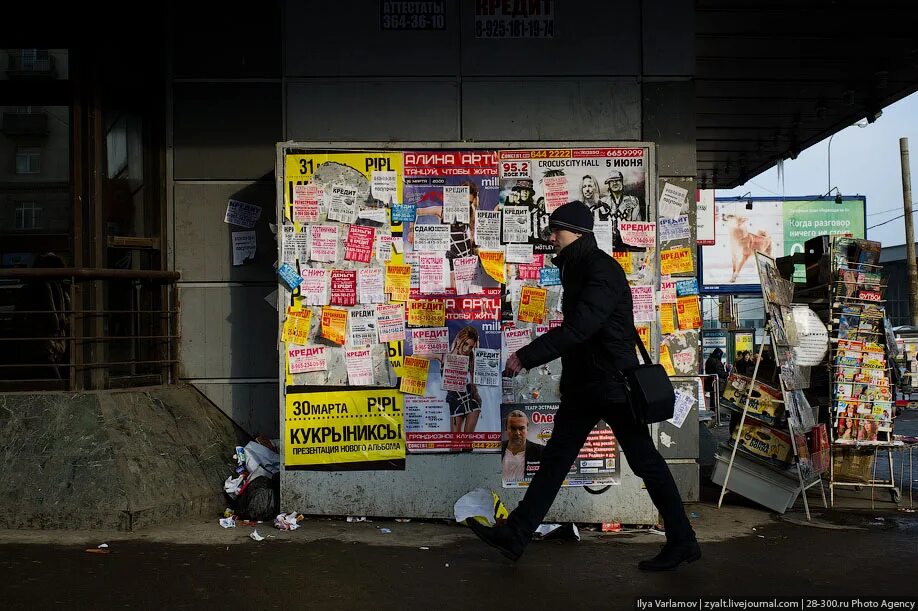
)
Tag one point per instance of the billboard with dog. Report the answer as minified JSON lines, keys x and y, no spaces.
{"x":775,"y":226}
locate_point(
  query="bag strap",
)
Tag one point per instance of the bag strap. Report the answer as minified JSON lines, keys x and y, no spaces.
{"x":640,"y":345}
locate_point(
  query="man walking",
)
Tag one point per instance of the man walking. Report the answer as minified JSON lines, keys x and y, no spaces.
{"x":596,"y":341}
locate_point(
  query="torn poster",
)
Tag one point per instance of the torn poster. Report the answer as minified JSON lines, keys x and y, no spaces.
{"x":359,"y":366}
{"x":342,"y":204}
{"x":243,"y":246}
{"x":370,"y":285}
{"x":315,"y":286}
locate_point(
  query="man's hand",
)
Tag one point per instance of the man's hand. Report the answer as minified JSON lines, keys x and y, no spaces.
{"x":513,"y":366}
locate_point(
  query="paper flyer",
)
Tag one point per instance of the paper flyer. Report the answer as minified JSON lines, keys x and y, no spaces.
{"x":289,"y":253}
{"x":429,"y":341}
{"x":550,"y":276}
{"x":532,"y":304}
{"x":370,"y":285}
{"x":305,"y":204}
{"x":390,"y":322}
{"x":465,"y":269}
{"x":244,"y":246}
{"x":342,"y":204}
{"x":359,"y":243}
{"x":431,"y":238}
{"x":684,"y":402}
{"x":323,"y":243}
{"x":643,"y":235}
{"x":492,"y":261}
{"x":674,"y":229}
{"x":241,"y":214}
{"x":667,"y":319}
{"x":556,"y":193}
{"x":383,"y":186}
{"x":359,"y":366}
{"x":667,"y":290}
{"x":385,"y":242}
{"x":514,"y":339}
{"x":687,"y":309}
{"x":487,"y":229}
{"x":299,"y":243}
{"x":676,"y":261}
{"x":642,"y":301}
{"x":689,"y":286}
{"x":604,"y":232}
{"x":374,"y":217}
{"x":398,"y":281}
{"x":624,"y":259}
{"x":671,"y":200}
{"x":683,"y":361}
{"x":344,"y":287}
{"x":289,"y":276}
{"x":404,"y":213}
{"x":414,"y":260}
{"x":515,"y":225}
{"x":334,"y":325}
{"x":414,"y":375}
{"x":432,"y":280}
{"x":518,"y":253}
{"x":296,"y":326}
{"x":666,"y":361}
{"x":314,"y":288}
{"x":305,"y":359}
{"x":456,"y":204}
{"x":643,"y":331}
{"x":455,"y":372}
{"x":361,"y":328}
{"x":426,"y":313}
{"x":487,"y":367}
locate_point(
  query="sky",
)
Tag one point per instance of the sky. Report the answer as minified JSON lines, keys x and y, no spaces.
{"x":865,"y":161}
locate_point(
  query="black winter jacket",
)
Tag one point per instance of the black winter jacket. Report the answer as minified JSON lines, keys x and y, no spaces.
{"x":597,"y":339}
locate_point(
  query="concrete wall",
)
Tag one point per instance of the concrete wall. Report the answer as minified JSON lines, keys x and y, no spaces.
{"x":324,"y":71}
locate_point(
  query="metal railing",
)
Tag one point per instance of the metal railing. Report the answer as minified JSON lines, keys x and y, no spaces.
{"x":87,"y":328}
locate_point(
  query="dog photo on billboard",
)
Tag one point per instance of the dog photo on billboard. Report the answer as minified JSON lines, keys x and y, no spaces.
{"x":744,"y":243}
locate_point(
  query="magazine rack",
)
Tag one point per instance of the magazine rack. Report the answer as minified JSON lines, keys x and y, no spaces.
{"x":780,"y":333}
{"x":862,"y":348}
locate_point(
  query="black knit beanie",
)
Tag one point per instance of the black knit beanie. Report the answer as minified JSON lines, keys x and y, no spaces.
{"x":573,"y":216}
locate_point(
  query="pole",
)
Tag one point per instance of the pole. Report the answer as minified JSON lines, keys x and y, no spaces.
{"x":909,"y":229}
{"x":829,"y":164}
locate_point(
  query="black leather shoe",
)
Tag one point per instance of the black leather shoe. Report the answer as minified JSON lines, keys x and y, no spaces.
{"x":504,"y":539}
{"x":671,"y":556}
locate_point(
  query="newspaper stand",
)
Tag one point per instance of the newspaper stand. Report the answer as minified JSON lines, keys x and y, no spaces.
{"x":777,"y":293}
{"x":863,"y":349}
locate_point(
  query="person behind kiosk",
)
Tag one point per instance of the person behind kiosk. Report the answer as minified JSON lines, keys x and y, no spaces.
{"x":596,"y":341}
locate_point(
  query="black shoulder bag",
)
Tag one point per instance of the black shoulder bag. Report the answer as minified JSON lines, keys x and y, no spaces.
{"x":650,"y":393}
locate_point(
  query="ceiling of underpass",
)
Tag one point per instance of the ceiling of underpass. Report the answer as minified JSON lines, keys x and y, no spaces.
{"x":774,"y":77}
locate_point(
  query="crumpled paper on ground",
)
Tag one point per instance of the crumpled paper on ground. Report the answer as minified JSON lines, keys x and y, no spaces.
{"x":287,"y":521}
{"x":482,"y":505}
{"x":228,"y":522}
{"x":558,"y":531}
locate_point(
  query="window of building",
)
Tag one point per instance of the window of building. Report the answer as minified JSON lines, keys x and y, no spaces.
{"x":28,"y":216}
{"x":28,"y":161}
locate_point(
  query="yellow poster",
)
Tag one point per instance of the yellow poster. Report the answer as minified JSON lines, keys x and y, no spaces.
{"x":396,"y":349}
{"x":296,"y":326}
{"x":625,"y":260}
{"x":643,"y":330}
{"x":493,"y":263}
{"x":426,"y":313}
{"x":666,"y":360}
{"x":667,"y":322}
{"x":532,"y":304}
{"x":676,"y":261}
{"x":742,"y":342}
{"x":334,"y":324}
{"x":299,"y":170}
{"x":689,"y":312}
{"x":398,"y":281}
{"x":326,"y":428}
{"x":414,"y":375}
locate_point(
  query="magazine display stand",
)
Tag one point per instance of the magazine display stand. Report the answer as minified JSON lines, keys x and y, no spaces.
{"x":774,"y":415}
{"x":863,"y":352}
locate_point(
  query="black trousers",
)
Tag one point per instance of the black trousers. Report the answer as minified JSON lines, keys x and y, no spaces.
{"x":573,"y":422}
